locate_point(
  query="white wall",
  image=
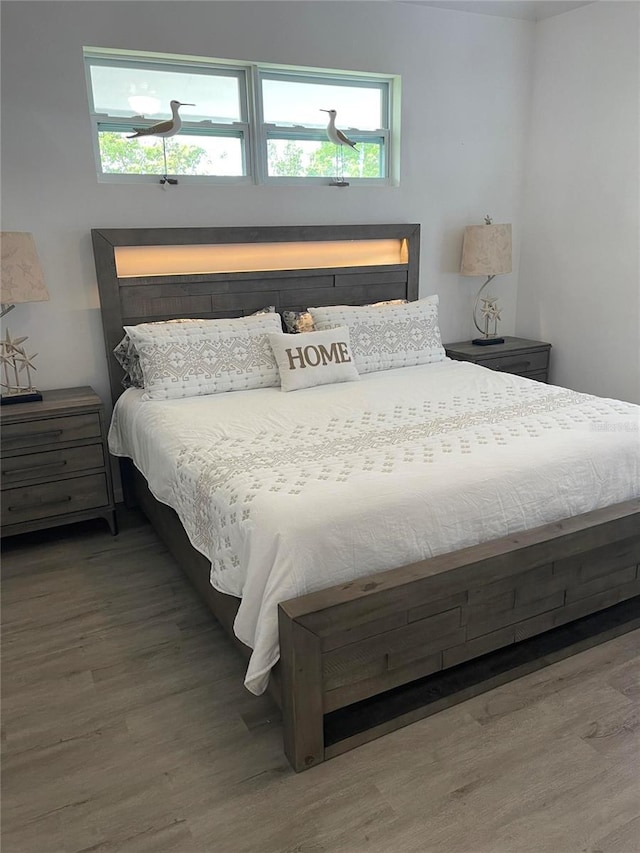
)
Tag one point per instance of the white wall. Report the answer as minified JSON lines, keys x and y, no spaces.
{"x":579,"y":282}
{"x":465,"y":91}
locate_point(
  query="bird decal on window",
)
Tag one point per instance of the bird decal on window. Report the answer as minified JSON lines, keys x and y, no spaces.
{"x":165,"y":129}
{"x":335,"y":135}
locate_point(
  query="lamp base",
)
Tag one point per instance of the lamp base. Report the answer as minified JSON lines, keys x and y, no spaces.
{"x":27,"y":397}
{"x":487,"y":342}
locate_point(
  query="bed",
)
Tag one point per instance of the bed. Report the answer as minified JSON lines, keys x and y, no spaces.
{"x":447,"y":606}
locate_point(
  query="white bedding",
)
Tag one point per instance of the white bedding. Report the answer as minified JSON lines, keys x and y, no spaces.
{"x":289,"y":493}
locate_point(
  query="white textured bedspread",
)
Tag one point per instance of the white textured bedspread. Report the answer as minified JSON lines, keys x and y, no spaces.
{"x":289,"y":493}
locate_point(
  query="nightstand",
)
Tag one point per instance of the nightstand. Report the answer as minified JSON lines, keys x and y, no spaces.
{"x":515,"y":355}
{"x":55,"y":463}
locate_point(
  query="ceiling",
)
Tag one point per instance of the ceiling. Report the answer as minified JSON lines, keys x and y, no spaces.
{"x":526,"y":10}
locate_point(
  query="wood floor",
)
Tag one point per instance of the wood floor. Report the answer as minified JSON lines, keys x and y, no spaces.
{"x":126,"y":728}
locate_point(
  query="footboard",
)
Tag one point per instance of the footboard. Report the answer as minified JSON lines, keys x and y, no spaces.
{"x":362,"y":659}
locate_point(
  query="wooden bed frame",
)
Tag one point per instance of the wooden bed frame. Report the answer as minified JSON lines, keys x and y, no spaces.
{"x":362,"y":659}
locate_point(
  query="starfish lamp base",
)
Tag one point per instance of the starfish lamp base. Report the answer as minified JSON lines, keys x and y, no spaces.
{"x":28,"y":396}
{"x":486,"y":342}
{"x":14,"y":360}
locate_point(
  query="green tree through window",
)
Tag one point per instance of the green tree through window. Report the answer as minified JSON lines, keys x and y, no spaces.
{"x":289,"y":163}
{"x":122,"y":155}
{"x":363,"y":162}
{"x":293,"y":161}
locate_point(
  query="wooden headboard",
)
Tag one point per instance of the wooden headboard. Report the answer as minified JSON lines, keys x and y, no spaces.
{"x":131,"y":300}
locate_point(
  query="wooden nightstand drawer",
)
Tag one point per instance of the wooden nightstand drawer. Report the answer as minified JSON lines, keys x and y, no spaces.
{"x":55,"y":462}
{"x":50,"y":463}
{"x":50,"y":431}
{"x":520,"y":363}
{"x":42,"y":500}
{"x":540,"y":376}
{"x":518,"y":356}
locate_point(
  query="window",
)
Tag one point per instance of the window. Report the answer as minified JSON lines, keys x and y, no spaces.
{"x":278,"y":135}
{"x":295,"y":126}
{"x":126,"y":94}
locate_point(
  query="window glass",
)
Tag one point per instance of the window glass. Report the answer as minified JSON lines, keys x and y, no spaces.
{"x":186,"y":154}
{"x":131,"y":90}
{"x":314,"y":158}
{"x":300,"y":103}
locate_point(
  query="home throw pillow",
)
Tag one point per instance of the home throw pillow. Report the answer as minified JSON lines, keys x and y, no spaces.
{"x":209,"y":357}
{"x":399,"y":336}
{"x":313,"y":358}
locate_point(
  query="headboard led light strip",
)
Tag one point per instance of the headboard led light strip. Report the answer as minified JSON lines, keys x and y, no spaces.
{"x":145,"y":261}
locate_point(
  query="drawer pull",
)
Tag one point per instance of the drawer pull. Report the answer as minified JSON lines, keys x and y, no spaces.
{"x":54,"y":433}
{"x":39,"y":504}
{"x":35,"y":468}
{"x":520,"y":365}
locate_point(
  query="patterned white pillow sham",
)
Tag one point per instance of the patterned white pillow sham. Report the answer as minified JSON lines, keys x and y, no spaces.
{"x":313,"y":358}
{"x":206,"y":356}
{"x":302,"y":321}
{"x":127,"y":356}
{"x":399,"y":336}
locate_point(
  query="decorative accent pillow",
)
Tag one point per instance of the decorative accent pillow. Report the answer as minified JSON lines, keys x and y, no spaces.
{"x":302,"y":321}
{"x":297,"y":322}
{"x":127,"y":355}
{"x":313,"y":358}
{"x":127,"y":358}
{"x":399,"y":336}
{"x":207,"y":356}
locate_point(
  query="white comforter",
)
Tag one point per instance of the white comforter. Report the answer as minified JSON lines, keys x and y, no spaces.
{"x":289,"y":493}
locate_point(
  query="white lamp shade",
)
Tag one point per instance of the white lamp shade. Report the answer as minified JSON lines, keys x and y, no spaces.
{"x":486,"y":250}
{"x":22,"y":279}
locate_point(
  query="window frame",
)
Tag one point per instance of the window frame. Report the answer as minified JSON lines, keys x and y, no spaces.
{"x":270,"y":130}
{"x":120,"y":124}
{"x":254,"y":132}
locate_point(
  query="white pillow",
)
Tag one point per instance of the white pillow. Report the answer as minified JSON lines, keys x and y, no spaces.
{"x":127,"y":356}
{"x":306,"y":359}
{"x":399,"y":336}
{"x":302,"y":321}
{"x":208,"y":357}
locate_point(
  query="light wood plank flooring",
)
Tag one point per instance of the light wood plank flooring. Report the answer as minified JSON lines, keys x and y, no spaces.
{"x":126,"y":728}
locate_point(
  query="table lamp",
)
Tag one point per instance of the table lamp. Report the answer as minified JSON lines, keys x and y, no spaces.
{"x":486,"y":250}
{"x":22,"y":281}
